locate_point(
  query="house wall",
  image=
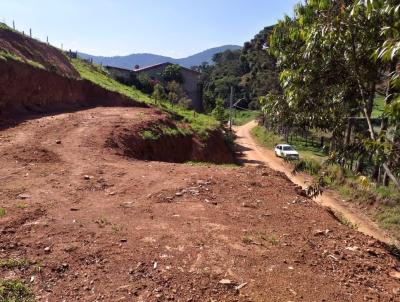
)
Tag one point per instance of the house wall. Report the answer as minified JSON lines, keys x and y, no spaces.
{"x":191,"y":83}
{"x":118,"y":73}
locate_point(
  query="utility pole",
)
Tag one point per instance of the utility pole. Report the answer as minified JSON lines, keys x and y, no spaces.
{"x":13,"y":25}
{"x":230,"y":109}
{"x":47,"y":39}
{"x":30,"y":32}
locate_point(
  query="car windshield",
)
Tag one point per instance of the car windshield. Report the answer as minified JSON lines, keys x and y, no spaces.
{"x":288,"y":148}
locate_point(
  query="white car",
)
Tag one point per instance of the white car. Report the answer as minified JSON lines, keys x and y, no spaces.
{"x":286,"y":151}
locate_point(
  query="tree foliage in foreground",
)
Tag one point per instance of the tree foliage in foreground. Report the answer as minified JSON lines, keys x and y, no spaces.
{"x":332,"y":58}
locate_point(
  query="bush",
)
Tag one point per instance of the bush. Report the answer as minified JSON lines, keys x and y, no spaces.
{"x":158,"y":93}
{"x":307,"y":165}
{"x":219,"y":111}
{"x":149,"y":135}
{"x":335,"y":174}
{"x":14,"y":291}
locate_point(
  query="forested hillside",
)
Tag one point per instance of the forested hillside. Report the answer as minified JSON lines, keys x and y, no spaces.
{"x":250,"y":71}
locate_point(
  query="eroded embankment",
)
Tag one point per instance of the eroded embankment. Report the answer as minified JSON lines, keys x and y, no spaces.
{"x":26,"y":89}
{"x":33,"y":51}
{"x":164,"y":140}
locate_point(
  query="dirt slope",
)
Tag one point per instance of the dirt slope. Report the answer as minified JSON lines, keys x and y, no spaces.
{"x":101,"y":227}
{"x":174,"y":147}
{"x":30,"y":49}
{"x":25,"y":89}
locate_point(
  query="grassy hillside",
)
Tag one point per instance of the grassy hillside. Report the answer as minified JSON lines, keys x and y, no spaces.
{"x":199,"y":123}
{"x":5,"y":56}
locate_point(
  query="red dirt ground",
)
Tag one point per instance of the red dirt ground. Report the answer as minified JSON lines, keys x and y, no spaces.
{"x":25,"y":89}
{"x":101,"y":227}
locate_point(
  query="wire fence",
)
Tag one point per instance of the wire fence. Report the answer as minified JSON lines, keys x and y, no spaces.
{"x":30,"y":33}
{"x":69,"y":52}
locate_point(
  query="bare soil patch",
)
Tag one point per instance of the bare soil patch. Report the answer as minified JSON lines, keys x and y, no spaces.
{"x":169,"y":142}
{"x":98,"y":226}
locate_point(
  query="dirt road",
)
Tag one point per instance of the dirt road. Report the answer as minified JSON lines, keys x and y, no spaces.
{"x":253,"y":153}
{"x":93,"y":225}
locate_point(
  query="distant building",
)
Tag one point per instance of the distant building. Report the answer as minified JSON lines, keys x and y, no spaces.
{"x":191,"y":83}
{"x":120,"y":74}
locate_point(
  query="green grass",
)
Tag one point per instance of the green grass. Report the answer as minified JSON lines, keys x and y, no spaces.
{"x":14,"y":291}
{"x":343,"y":220}
{"x":14,"y":263}
{"x":171,"y":131}
{"x":6,"y":27}
{"x":379,"y":106}
{"x":389,"y":218}
{"x":199,"y":123}
{"x":271,"y":238}
{"x":3,"y":212}
{"x":149,"y":135}
{"x":5,"y":56}
{"x":3,"y":26}
{"x":265,"y":138}
{"x":178,"y":131}
{"x":155,"y":133}
{"x":241,"y":117}
{"x":306,"y":150}
{"x":206,"y":164}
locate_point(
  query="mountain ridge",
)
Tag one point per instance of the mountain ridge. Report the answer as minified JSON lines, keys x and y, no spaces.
{"x":147,"y":59}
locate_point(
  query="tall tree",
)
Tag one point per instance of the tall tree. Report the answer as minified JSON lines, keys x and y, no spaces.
{"x":327,"y":73}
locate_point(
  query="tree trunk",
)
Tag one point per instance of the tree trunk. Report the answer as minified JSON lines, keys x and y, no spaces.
{"x":373,"y":137}
{"x":348,"y":131}
{"x":385,"y":180}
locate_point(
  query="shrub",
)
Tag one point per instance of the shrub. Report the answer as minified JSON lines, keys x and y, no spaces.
{"x":149,"y":135}
{"x":14,"y":291}
{"x":307,"y":165}
{"x":158,"y":93}
{"x":219,"y":111}
{"x":14,"y":263}
{"x":335,"y":174}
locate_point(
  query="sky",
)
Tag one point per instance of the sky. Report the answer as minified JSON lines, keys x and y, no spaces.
{"x":176,"y":28}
